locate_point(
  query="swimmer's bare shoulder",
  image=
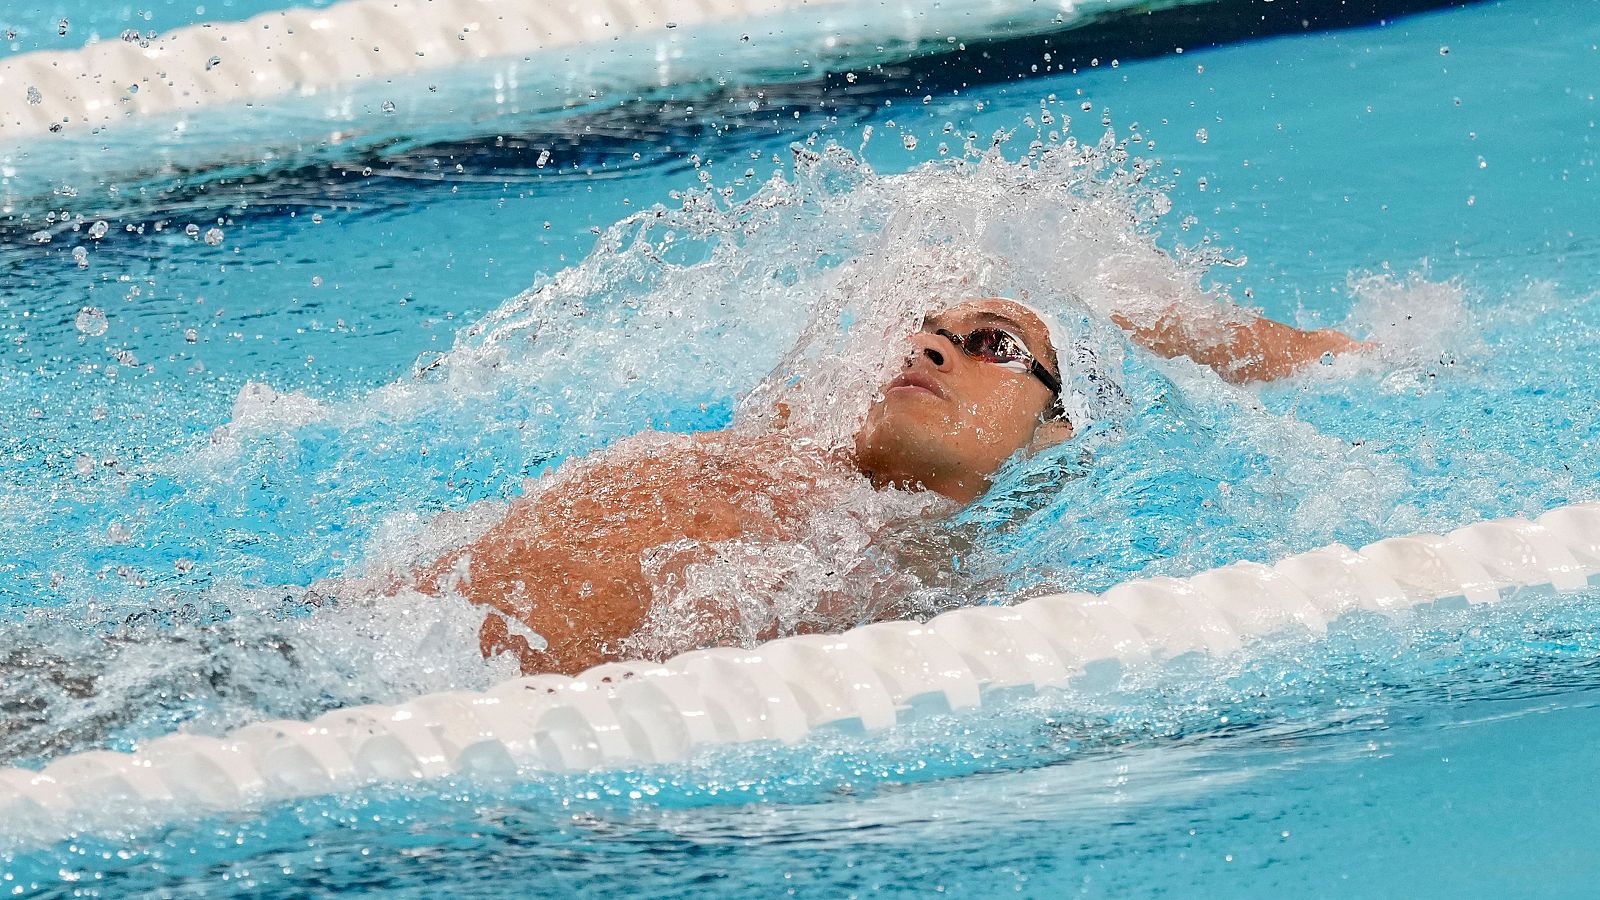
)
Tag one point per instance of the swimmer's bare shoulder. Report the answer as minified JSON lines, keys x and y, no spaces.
{"x":566,"y":562}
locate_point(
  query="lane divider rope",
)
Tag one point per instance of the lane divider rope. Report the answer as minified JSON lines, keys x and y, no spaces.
{"x":301,"y":51}
{"x":872,"y":677}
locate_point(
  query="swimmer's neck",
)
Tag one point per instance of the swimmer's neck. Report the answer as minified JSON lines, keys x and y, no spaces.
{"x":960,"y":487}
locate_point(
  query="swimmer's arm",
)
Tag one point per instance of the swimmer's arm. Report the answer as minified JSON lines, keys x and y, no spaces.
{"x":1251,"y":348}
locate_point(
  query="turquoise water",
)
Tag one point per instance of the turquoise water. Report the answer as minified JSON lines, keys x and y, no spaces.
{"x":28,"y":25}
{"x":154,"y":560}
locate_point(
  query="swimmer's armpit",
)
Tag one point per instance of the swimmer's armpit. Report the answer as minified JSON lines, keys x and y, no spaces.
{"x":1252,"y":348}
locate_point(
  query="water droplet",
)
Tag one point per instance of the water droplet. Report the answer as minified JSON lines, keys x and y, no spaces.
{"x":909,"y":141}
{"x":62,"y":26}
{"x":388,"y":107}
{"x":80,"y":255}
{"x":34,"y":97}
{"x":316,"y":281}
{"x":91,"y":321}
{"x":1327,"y":357}
{"x":213,"y":62}
{"x":83,"y":465}
{"x":131,"y":35}
{"x":1202,"y":136}
{"x":744,"y":38}
{"x":1444,"y":51}
{"x":183,"y":566}
{"x":214,"y":236}
{"x":133,"y":89}
{"x":118,"y":534}
{"x":427,"y":361}
{"x":98,"y":230}
{"x":1087,"y":106}
{"x":544,"y":157}
{"x":192,"y":230}
{"x":190,"y":335}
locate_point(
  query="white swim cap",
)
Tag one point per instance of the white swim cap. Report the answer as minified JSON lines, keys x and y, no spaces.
{"x":1088,"y":392}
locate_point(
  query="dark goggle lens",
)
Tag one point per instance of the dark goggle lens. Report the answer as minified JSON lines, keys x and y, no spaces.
{"x":993,"y":345}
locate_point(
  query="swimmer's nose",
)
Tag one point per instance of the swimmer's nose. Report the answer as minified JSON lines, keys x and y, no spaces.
{"x":934,"y":347}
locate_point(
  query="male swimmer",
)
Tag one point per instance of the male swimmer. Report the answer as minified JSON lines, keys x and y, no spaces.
{"x":568,"y":572}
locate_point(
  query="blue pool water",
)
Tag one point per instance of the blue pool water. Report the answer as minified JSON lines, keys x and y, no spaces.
{"x":28,"y":25}
{"x":1429,"y":182}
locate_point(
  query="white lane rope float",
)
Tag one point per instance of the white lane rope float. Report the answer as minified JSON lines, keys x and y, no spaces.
{"x":872,"y":677}
{"x":308,"y":52}
{"x":292,"y":51}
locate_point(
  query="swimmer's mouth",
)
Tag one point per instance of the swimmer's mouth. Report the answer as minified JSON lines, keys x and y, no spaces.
{"x":914,"y":380}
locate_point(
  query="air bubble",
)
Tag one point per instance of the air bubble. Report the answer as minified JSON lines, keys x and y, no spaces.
{"x":316,"y":218}
{"x":1202,"y":136}
{"x":190,"y":335}
{"x":98,"y":229}
{"x":544,"y":158}
{"x":80,"y":255}
{"x":214,"y":236}
{"x":388,"y":107}
{"x":316,"y":281}
{"x":34,"y":97}
{"x":909,"y":141}
{"x":192,"y":230}
{"x":62,"y":27}
{"x":213,"y":62}
{"x":91,"y":321}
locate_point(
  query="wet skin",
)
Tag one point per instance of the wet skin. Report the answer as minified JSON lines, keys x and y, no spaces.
{"x":566,"y":561}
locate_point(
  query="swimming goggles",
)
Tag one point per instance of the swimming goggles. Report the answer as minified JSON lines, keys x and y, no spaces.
{"x":1004,"y":349}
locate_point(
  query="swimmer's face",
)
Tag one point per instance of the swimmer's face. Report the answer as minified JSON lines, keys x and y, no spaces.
{"x":947,"y":421}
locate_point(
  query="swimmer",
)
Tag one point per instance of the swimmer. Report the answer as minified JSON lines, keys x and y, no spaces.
{"x":565,"y":572}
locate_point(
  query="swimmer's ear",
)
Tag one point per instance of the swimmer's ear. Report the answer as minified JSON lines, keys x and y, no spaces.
{"x":1049,"y":433}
